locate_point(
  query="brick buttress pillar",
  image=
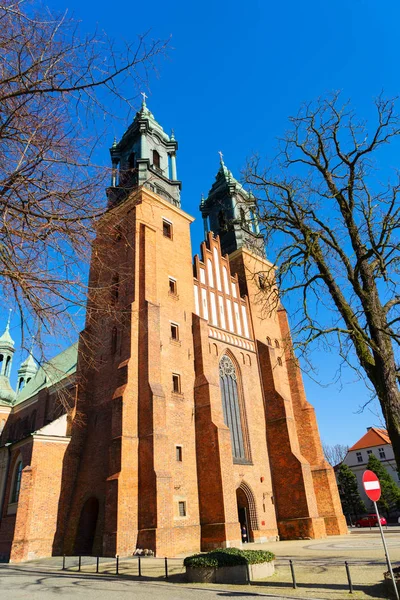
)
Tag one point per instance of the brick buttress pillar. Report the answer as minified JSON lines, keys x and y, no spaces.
{"x":295,"y":501}
{"x":155,"y":487}
{"x":324,"y":481}
{"x":217,"y":492}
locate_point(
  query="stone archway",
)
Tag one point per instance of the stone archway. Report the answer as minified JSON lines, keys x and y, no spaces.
{"x":87,"y":527}
{"x":247,"y":513}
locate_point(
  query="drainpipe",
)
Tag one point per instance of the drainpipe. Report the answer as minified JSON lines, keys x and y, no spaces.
{"x":3,"y":495}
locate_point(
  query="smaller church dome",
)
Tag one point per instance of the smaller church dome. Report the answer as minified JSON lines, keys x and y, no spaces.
{"x":7,"y":394}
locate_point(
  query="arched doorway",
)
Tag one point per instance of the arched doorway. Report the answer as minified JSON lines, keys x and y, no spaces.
{"x":247,"y":514}
{"x":87,"y":527}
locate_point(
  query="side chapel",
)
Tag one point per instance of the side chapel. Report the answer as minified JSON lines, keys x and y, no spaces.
{"x":188,"y":418}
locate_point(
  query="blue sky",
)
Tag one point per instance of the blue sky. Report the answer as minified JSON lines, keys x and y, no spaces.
{"x":234,"y":73}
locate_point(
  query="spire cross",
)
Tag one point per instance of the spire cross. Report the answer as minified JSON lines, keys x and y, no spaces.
{"x":9,"y":319}
{"x":144,"y":95}
{"x":221,"y":157}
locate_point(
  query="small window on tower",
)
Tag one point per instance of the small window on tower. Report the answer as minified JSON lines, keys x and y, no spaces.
{"x":174,"y":332}
{"x":359,"y":457}
{"x":172,"y":287}
{"x":269,"y":341}
{"x":167,"y":229}
{"x":382,"y":453}
{"x":176,"y":383}
{"x":131,"y":160}
{"x":279,"y":361}
{"x":156,"y":159}
{"x":178,"y":453}
{"x":182,"y":509}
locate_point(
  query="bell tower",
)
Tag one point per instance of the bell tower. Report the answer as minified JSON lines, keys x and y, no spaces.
{"x":229,"y":211}
{"x":145,"y":156}
{"x":7,"y":394}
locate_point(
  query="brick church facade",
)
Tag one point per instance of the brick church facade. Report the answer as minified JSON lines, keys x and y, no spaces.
{"x":188,"y":419}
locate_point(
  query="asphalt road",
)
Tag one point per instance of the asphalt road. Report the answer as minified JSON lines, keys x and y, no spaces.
{"x":18,"y":584}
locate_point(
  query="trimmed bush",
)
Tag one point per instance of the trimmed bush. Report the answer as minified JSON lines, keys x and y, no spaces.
{"x":228,"y":557}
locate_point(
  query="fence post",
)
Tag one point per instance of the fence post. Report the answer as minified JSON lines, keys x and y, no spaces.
{"x":63,"y":567}
{"x":349,"y":577}
{"x":116,"y":564}
{"x":79,"y":562}
{"x":166,"y":568}
{"x":97,"y":563}
{"x":293,"y":575}
{"x":140,"y":568}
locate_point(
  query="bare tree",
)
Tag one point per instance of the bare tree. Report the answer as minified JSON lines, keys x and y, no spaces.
{"x":335,"y":453}
{"x":335,"y":228}
{"x":56,"y":86}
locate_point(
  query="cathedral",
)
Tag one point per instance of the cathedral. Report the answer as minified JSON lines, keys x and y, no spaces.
{"x":179,"y":417}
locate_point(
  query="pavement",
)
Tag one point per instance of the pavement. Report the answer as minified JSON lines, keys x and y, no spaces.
{"x":319,"y":568}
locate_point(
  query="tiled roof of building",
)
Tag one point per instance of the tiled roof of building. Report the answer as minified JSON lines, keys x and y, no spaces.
{"x":373,"y":437}
{"x":50,"y":373}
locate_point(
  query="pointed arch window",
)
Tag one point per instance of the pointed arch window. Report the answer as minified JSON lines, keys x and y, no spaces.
{"x":233,"y":412}
{"x":16,"y":482}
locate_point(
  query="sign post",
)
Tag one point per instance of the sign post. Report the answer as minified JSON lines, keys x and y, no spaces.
{"x":372,"y":488}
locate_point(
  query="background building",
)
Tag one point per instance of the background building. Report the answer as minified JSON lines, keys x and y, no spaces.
{"x":375,"y":441}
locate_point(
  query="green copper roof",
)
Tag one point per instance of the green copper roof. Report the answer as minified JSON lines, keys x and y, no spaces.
{"x":7,"y":394}
{"x":6,"y":339}
{"x":50,"y":373}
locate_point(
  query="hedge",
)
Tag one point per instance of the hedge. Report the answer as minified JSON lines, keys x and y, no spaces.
{"x":228,"y":557}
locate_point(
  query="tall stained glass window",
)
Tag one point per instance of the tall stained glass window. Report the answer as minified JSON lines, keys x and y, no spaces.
{"x":231,"y":407}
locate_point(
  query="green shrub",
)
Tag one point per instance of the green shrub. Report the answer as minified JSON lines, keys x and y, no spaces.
{"x":229,"y":557}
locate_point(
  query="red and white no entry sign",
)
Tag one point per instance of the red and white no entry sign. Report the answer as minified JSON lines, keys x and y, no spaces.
{"x":371,"y":485}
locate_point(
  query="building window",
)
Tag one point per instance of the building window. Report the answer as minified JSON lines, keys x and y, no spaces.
{"x":182,"y":509}
{"x":17,"y":482}
{"x":369,"y":452}
{"x":231,"y":408}
{"x":176,"y":383}
{"x":167,"y":229}
{"x":115,"y":289}
{"x":279,"y":361}
{"x":277,"y":345}
{"x":382,"y":453}
{"x":261,"y":281}
{"x":359,"y":457}
{"x":178,"y":453}
{"x":114,"y":336}
{"x":174,"y":332}
{"x":173,"y":289}
{"x":269,"y":341}
{"x":156,"y":159}
{"x":131,"y":160}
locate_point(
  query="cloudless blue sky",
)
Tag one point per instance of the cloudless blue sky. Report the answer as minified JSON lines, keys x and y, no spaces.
{"x":234,"y":73}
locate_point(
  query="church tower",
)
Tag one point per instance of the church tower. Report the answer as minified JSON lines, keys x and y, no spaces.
{"x":229,"y":212}
{"x":305,"y":492}
{"x":145,"y":156}
{"x":131,"y":463}
{"x":7,"y":349}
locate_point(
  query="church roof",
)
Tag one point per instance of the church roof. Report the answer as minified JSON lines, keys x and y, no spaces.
{"x":7,"y":394}
{"x":373,"y":437}
{"x":50,"y":373}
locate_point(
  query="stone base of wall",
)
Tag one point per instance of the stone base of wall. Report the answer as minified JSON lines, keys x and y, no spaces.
{"x":220,"y":535}
{"x":336,"y":525}
{"x":238,"y":574}
{"x":300,"y":529}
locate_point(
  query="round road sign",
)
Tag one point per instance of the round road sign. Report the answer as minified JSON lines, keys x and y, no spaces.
{"x":371,"y":485}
